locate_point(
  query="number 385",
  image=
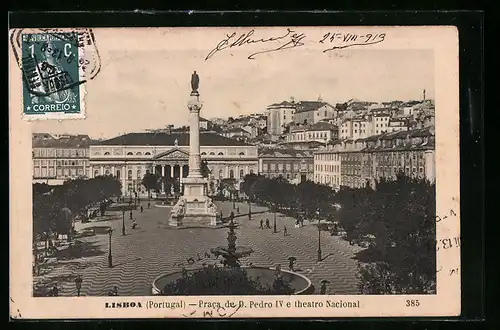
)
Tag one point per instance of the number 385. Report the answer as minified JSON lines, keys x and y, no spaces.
{"x":412,"y":303}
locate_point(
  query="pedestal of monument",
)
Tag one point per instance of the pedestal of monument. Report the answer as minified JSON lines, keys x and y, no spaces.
{"x":194,"y":208}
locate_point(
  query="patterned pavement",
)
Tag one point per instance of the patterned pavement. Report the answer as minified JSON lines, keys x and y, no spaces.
{"x":154,"y":248}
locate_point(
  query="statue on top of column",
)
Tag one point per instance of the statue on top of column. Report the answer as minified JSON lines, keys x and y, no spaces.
{"x":195,"y":82}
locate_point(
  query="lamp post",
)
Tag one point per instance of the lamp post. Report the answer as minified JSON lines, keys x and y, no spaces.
{"x":319,"y":236}
{"x":274,"y":223}
{"x":110,"y":257}
{"x":249,"y":210}
{"x":131,"y":213}
{"x":123,"y":222}
{"x":78,"y":283}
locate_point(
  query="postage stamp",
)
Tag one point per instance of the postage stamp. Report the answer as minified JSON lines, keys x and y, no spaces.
{"x":55,"y":64}
{"x":234,"y":172}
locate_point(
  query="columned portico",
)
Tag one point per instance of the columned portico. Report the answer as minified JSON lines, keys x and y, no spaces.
{"x":172,"y":167}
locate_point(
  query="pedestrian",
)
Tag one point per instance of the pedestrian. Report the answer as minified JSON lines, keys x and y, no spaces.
{"x":285,"y":231}
{"x":267,"y":224}
{"x":142,"y":209}
{"x":113,"y":292}
{"x":134,"y":224}
{"x":55,"y":291}
{"x":238,"y":209}
{"x":261,"y":224}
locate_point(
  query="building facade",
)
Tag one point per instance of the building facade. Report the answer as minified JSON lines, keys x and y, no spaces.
{"x":327,"y":168}
{"x":279,"y":115}
{"x":320,"y":132}
{"x":129,"y":157}
{"x":294,"y":165}
{"x":355,"y":128}
{"x":365,"y":161}
{"x":57,"y":158}
{"x":311,"y":112}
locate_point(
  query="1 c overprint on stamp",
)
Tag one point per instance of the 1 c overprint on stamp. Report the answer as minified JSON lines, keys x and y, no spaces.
{"x":55,"y":64}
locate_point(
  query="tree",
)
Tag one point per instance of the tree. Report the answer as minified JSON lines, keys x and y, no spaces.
{"x":150,"y":182}
{"x":314,"y":200}
{"x":229,"y":185}
{"x":41,"y":188}
{"x":341,"y":106}
{"x":64,"y":221}
{"x":402,"y":259}
{"x":247,"y":185}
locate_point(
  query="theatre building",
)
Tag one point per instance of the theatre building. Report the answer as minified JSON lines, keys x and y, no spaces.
{"x":129,"y":157}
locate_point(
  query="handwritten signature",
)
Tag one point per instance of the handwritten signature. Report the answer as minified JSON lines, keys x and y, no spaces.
{"x":293,"y":38}
{"x":220,"y":311}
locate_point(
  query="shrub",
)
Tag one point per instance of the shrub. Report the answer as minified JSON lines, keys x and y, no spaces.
{"x":213,"y":280}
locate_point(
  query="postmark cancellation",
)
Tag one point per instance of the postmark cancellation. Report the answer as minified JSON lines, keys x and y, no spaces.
{"x":55,"y":65}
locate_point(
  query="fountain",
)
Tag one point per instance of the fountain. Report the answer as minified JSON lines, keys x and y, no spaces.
{"x":232,"y":253}
{"x":247,"y":280}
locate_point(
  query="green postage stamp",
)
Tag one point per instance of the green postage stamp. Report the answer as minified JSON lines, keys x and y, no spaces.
{"x":55,"y":67}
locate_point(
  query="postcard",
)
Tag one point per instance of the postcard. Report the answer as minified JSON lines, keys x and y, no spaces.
{"x":234,"y":172}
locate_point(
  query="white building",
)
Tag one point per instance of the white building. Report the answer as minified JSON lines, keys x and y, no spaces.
{"x":327,"y":167}
{"x":129,"y":157}
{"x":279,"y":115}
{"x":355,"y":128}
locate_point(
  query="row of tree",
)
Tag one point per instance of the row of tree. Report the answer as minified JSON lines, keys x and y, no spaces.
{"x":55,"y":207}
{"x":307,"y":200}
{"x":396,"y":220}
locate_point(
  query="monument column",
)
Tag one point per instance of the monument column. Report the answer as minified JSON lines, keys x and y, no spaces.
{"x":194,"y":208}
{"x":194,"y":106}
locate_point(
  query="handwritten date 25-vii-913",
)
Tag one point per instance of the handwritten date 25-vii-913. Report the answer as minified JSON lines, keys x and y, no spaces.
{"x":344,"y":40}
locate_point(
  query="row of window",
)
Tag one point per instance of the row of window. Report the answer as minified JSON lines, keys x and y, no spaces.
{"x":107,"y":153}
{"x":53,"y":152}
{"x":59,"y":172}
{"x":288,"y":167}
{"x":327,"y":168}
{"x":65,"y":162}
{"x":328,"y":179}
{"x":310,"y":135}
{"x":139,"y":174}
{"x":330,"y":156}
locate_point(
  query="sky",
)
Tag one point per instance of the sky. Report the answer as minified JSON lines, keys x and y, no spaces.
{"x":144,"y":81}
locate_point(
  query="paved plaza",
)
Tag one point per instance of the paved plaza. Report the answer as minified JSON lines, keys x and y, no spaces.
{"x":154,"y":248}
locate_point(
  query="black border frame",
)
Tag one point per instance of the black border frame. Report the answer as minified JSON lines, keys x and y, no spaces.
{"x":470,"y":25}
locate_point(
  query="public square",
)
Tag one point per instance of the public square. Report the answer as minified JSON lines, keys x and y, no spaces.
{"x":154,"y":248}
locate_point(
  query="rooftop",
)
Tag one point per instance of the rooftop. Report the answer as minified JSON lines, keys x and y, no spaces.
{"x":46,"y":140}
{"x":319,"y":126}
{"x":284,"y":153}
{"x":284,"y":104}
{"x":236,"y":130}
{"x":166,"y":139}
